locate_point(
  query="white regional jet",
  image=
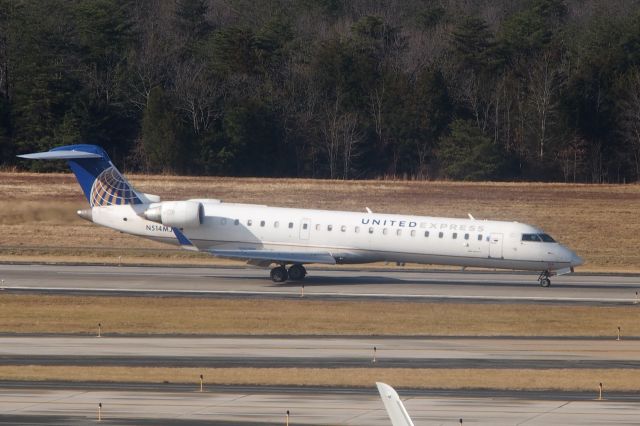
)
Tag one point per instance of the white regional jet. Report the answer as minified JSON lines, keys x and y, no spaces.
{"x":290,"y":238}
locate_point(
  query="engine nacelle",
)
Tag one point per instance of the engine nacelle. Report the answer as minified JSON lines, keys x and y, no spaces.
{"x":179,"y":214}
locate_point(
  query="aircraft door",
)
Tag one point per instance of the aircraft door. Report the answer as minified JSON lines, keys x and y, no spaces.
{"x":305,"y":228}
{"x":495,"y":246}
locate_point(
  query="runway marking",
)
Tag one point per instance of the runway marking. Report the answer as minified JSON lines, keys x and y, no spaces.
{"x":331,"y":294}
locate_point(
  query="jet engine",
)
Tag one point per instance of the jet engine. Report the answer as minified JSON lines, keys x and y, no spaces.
{"x":179,"y":214}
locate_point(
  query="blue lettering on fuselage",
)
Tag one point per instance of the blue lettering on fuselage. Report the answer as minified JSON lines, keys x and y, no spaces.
{"x":430,"y":225}
{"x":401,"y":223}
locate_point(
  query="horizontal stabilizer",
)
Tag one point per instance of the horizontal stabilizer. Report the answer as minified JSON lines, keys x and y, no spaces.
{"x":276,"y":256}
{"x":60,"y":155}
{"x":101,"y":182}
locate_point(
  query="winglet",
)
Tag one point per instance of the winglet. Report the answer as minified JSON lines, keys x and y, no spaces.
{"x":185,"y":243}
{"x":392,"y":403}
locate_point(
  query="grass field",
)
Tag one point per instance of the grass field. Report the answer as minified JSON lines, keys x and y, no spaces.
{"x":122,"y":315}
{"x":507,"y":379}
{"x":38,"y":223}
{"x":38,"y":219}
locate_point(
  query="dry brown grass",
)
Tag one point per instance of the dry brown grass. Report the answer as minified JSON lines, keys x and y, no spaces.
{"x":508,"y":379}
{"x":599,"y":221}
{"x":69,"y":314}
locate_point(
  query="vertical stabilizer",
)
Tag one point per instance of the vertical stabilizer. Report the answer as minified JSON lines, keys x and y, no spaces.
{"x":101,"y":182}
{"x":392,"y":403}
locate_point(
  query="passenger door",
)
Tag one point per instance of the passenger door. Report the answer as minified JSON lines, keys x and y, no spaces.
{"x":495,"y":246}
{"x":305,"y":228}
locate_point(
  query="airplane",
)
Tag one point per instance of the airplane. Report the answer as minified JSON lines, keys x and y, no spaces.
{"x":394,"y":406}
{"x":289,"y":238}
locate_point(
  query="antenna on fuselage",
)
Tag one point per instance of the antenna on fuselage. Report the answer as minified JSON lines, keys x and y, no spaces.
{"x":368,"y":210}
{"x":471,"y":217}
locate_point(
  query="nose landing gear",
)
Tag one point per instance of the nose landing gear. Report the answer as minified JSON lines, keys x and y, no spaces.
{"x":543,"y":278}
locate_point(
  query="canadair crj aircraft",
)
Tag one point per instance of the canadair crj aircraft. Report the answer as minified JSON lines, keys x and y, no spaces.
{"x":291,"y":238}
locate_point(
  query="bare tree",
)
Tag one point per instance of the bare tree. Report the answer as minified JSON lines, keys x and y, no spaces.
{"x":155,"y":52}
{"x":340,"y":138}
{"x":571,"y":158}
{"x":198,"y":94}
{"x":543,"y":88}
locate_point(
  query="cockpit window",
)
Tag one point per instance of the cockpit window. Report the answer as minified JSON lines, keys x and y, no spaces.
{"x":538,"y":238}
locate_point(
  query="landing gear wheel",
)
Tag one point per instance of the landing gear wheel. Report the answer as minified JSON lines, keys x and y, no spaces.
{"x":544,"y":278}
{"x":297,"y":272}
{"x":279,"y":274}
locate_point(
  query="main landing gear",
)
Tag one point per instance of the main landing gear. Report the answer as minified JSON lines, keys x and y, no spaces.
{"x":280,"y":274}
{"x":544,"y":279}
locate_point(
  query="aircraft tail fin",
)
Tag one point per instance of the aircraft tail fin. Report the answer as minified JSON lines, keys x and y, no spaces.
{"x":394,"y":406}
{"x":101,"y":182}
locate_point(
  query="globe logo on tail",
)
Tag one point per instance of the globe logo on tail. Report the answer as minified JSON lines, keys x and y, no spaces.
{"x":110,"y":188}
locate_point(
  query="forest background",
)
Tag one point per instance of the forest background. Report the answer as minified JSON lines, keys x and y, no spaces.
{"x":408,"y":89}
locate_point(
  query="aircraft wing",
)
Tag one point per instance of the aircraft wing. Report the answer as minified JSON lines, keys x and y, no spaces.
{"x":392,"y":403}
{"x":273,"y":256}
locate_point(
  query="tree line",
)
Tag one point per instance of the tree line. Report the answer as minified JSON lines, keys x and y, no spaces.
{"x":415,"y":89}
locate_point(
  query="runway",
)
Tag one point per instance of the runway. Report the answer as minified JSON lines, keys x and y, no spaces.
{"x":79,"y":406}
{"x":320,"y":284}
{"x":321,"y":352}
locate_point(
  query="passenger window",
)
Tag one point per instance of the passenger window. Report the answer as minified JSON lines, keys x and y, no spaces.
{"x":413,"y":232}
{"x":399,"y":232}
{"x":371,"y":229}
{"x":466,"y":236}
{"x":329,"y":227}
{"x":317,"y":226}
{"x":454,"y":235}
{"x":290,"y":225}
{"x":426,"y":234}
{"x":479,"y":237}
{"x":236,"y":222}
{"x":305,"y":226}
{"x":276,"y":224}
{"x":440,"y":234}
{"x":262,"y":222}
{"x":343,"y":228}
{"x":357,"y":229}
{"x":249,"y":222}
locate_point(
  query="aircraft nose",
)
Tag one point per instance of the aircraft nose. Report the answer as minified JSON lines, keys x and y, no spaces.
{"x":576,"y":260}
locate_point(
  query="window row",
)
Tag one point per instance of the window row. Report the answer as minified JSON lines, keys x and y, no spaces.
{"x":343,"y":228}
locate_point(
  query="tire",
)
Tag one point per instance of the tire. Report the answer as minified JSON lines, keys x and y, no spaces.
{"x":279,"y":274}
{"x":545,"y":282}
{"x":297,"y":272}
